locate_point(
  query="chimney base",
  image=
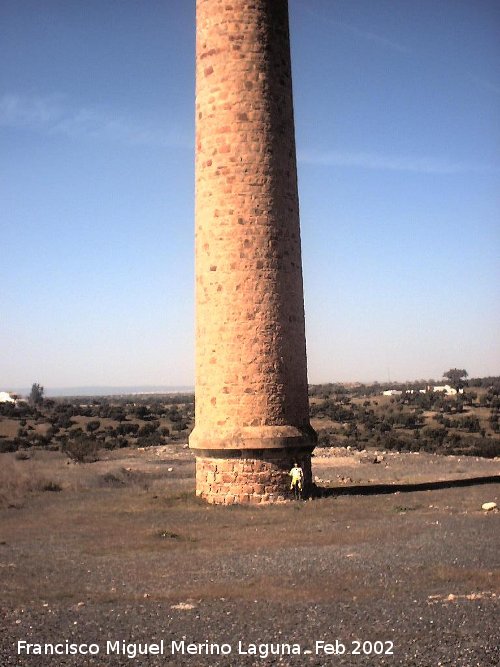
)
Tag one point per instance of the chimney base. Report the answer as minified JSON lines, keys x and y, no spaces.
{"x":249,"y":476}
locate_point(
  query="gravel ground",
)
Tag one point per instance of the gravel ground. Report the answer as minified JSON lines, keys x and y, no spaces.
{"x":457,"y":633}
{"x":415,"y":575}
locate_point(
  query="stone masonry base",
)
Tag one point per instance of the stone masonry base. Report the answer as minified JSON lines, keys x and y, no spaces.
{"x":256,"y":476}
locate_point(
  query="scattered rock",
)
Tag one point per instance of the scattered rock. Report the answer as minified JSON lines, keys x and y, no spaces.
{"x":344,"y":480}
{"x":487,"y":507}
{"x":168,"y":534}
{"x":451,"y":597}
{"x":184,"y":606}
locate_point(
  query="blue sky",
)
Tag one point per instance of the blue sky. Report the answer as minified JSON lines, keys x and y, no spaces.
{"x":397,"y":110}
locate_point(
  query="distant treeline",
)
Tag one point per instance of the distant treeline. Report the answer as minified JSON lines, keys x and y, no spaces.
{"x":361,"y":390}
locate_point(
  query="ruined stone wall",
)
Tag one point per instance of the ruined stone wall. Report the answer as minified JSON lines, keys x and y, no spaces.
{"x":251,"y":379}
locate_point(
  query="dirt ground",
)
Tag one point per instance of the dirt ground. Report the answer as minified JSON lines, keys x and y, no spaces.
{"x":397,"y":563}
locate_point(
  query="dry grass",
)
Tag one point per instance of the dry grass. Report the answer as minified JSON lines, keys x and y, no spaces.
{"x":9,"y":427}
{"x":20,"y":478}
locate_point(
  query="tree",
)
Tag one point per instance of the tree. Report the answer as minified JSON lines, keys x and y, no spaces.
{"x":456,"y":377}
{"x":93,"y":425}
{"x":36,"y":394}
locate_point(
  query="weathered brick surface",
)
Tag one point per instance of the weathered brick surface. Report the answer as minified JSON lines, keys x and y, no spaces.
{"x":251,"y":378}
{"x":263,"y":479}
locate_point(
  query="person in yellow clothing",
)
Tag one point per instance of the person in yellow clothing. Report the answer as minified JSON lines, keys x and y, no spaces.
{"x":297,"y":475}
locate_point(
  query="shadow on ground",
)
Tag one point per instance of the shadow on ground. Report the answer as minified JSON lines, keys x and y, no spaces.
{"x":381,"y":489}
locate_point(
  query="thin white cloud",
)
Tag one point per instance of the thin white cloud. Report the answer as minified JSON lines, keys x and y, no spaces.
{"x":52,"y":114}
{"x":366,"y":35}
{"x":421,"y":165}
{"x":33,"y":112}
{"x":372,"y":37}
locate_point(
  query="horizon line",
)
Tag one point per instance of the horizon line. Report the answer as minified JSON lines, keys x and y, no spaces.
{"x":113,"y":390}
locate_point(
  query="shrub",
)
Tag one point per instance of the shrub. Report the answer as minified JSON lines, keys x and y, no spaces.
{"x":64,"y":421}
{"x":82,"y":449}
{"x":7,"y":409}
{"x":93,"y":425}
{"x":7,"y":445}
{"x":179,"y":426}
{"x":50,"y":486}
{"x":485,"y":447}
{"x":436,"y":434}
{"x":494,"y":422}
{"x":392,"y":442}
{"x":141,"y":411}
{"x":148,"y":429}
{"x":115,"y":443}
{"x":41,"y":440}
{"x":127,"y":428}
{"x":324,"y":439}
{"x":150,"y":440}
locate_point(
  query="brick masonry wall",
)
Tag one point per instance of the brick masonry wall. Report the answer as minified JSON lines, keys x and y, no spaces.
{"x":260,"y":478}
{"x":251,"y":376}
